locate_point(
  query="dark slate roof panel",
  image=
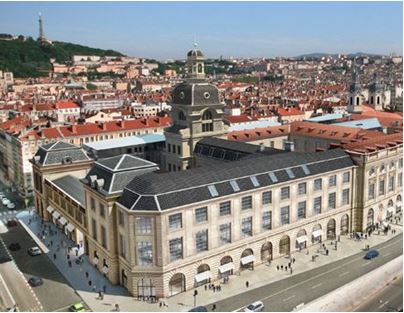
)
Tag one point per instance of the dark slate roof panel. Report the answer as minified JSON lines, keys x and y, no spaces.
{"x":71,"y":185}
{"x":128,"y":198}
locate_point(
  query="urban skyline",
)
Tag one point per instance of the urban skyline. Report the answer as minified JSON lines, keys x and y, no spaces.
{"x":260,"y":29}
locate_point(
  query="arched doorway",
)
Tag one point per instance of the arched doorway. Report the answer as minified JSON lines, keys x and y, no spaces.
{"x":203,"y":275}
{"x":177,"y":284}
{"x":370,"y":218}
{"x":398,"y":204}
{"x":301,"y":240}
{"x":226,"y":267}
{"x":344,"y":224}
{"x":145,"y":289}
{"x":316,"y":234}
{"x":331,"y":225}
{"x":284,"y":245}
{"x":266,"y":252}
{"x":247,"y":259}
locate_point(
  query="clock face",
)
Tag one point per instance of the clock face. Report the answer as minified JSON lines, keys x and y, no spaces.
{"x":182,"y":95}
{"x":206,"y":95}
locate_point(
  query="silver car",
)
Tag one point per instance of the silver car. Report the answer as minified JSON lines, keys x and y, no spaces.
{"x":256,"y":306}
{"x":34,"y":251}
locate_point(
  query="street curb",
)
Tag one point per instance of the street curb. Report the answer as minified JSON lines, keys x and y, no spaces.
{"x":34,"y":237}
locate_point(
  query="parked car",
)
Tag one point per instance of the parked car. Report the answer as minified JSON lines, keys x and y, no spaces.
{"x":14,"y":246}
{"x":256,"y":306}
{"x":12,"y":223}
{"x":5,"y":201}
{"x":35,"y":281}
{"x":11,"y":206}
{"x":199,"y":309}
{"x":78,"y":307}
{"x":2,"y":197}
{"x":371,"y":254}
{"x":34,"y":251}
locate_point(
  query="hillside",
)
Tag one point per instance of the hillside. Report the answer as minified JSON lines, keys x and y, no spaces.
{"x":30,"y":58}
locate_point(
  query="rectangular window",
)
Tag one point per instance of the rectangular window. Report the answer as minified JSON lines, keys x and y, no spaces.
{"x":201,"y":215}
{"x":92,"y":204}
{"x":202,"y":240}
{"x":266,"y":197}
{"x":400,"y":179}
{"x":346,"y":177}
{"x":213,"y":191}
{"x":371,"y":191}
{"x":103,"y":237}
{"x":317,"y":205}
{"x":175,"y":246}
{"x":285,"y":193}
{"x":225,"y":233}
{"x":345,"y":196}
{"x":381,"y":187}
{"x":102,"y":210}
{"x":254,"y":181}
{"x":144,"y":253}
{"x":302,"y":188}
{"x":94,"y":227}
{"x":391,"y":183}
{"x":175,"y":221}
{"x":332,"y":181}
{"x":122,"y":246}
{"x":285,"y":215}
{"x":301,"y":210}
{"x":246,"y":203}
{"x":143,"y":225}
{"x":267,"y":220}
{"x":246,"y":227}
{"x":121,"y":220}
{"x":331,"y":200}
{"x":225,"y":208}
{"x":400,"y":163}
{"x":318,"y":184}
{"x":234,"y":185}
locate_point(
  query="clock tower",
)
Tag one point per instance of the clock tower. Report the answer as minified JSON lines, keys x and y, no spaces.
{"x":196,"y":113}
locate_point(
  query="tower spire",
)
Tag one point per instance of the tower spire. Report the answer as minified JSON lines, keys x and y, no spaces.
{"x":41,"y":33}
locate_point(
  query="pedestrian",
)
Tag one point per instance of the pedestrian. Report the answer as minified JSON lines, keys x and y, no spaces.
{"x":70,"y":263}
{"x":206,"y":287}
{"x":286,"y":269}
{"x":89,"y":282}
{"x":214,"y":307}
{"x":94,"y":288}
{"x":54,"y":256}
{"x":326,"y":252}
{"x":77,"y":252}
{"x":210,"y":286}
{"x":86,"y":274}
{"x":247,"y":284}
{"x":294,"y":260}
{"x":214,"y":288}
{"x":99,"y":294}
{"x":291,"y":271}
{"x":160,"y":304}
{"x":277,"y":267}
{"x":104,"y":288}
{"x":117,"y":308}
{"x":282,"y":267}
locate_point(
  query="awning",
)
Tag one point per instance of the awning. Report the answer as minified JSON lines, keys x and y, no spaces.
{"x":247,"y":259}
{"x":390,"y":209}
{"x":62,"y":221}
{"x":70,"y":227}
{"x":317,"y":233}
{"x":56,"y":214}
{"x":105,"y":269}
{"x":398,"y":204}
{"x":301,"y":239}
{"x":50,"y":209}
{"x":385,"y":224}
{"x":95,"y":261}
{"x":226,"y":267}
{"x":203,"y":276}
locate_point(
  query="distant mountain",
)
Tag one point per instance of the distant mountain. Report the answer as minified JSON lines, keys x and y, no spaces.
{"x":350,"y":55}
{"x":26,"y":57}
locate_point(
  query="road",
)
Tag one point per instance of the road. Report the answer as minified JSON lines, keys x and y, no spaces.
{"x":285,"y":295}
{"x":55,"y":293}
{"x":389,"y":299}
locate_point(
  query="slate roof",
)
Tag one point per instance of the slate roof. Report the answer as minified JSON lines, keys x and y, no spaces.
{"x":71,"y":185}
{"x":163,"y":191}
{"x":118,"y":171}
{"x":59,"y":152}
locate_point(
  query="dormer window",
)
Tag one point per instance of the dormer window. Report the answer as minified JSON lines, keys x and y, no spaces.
{"x":207,"y":121}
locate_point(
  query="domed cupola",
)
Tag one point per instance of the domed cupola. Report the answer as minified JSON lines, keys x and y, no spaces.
{"x":195,"y":64}
{"x":196,"y":94}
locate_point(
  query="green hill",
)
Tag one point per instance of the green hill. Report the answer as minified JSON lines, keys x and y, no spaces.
{"x":30,"y":58}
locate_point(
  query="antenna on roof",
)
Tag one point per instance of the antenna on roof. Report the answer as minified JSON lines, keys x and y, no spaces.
{"x":195,"y":43}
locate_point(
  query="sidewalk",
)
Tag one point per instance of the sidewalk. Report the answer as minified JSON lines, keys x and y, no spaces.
{"x":262,"y":275}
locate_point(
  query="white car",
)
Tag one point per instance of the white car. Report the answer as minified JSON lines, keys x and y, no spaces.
{"x":11,"y":206}
{"x":34,"y":251}
{"x":5,"y":201}
{"x":256,"y":306}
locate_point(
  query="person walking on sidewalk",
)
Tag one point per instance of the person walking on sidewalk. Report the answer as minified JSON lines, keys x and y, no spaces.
{"x":117,"y":309}
{"x":247,"y":284}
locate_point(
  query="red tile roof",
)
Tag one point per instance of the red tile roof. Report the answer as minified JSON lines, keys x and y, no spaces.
{"x":259,"y":133}
{"x":66,"y":105}
{"x":376,"y":143}
{"x":289,"y":111}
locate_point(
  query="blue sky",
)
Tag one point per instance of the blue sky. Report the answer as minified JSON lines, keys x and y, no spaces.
{"x":258,"y":29}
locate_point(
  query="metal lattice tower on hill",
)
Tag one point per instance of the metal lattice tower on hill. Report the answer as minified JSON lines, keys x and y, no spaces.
{"x":41,"y":33}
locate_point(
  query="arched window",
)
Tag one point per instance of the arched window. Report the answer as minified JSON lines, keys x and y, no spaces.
{"x":207,"y":121}
{"x":378,"y":100}
{"x":371,"y":100}
{"x":357,"y":100}
{"x":181,"y":116}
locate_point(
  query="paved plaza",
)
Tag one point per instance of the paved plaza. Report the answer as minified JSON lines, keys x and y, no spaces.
{"x":260,"y":276}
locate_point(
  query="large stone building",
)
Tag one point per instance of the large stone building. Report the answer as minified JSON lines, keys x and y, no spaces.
{"x":224,"y":206}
